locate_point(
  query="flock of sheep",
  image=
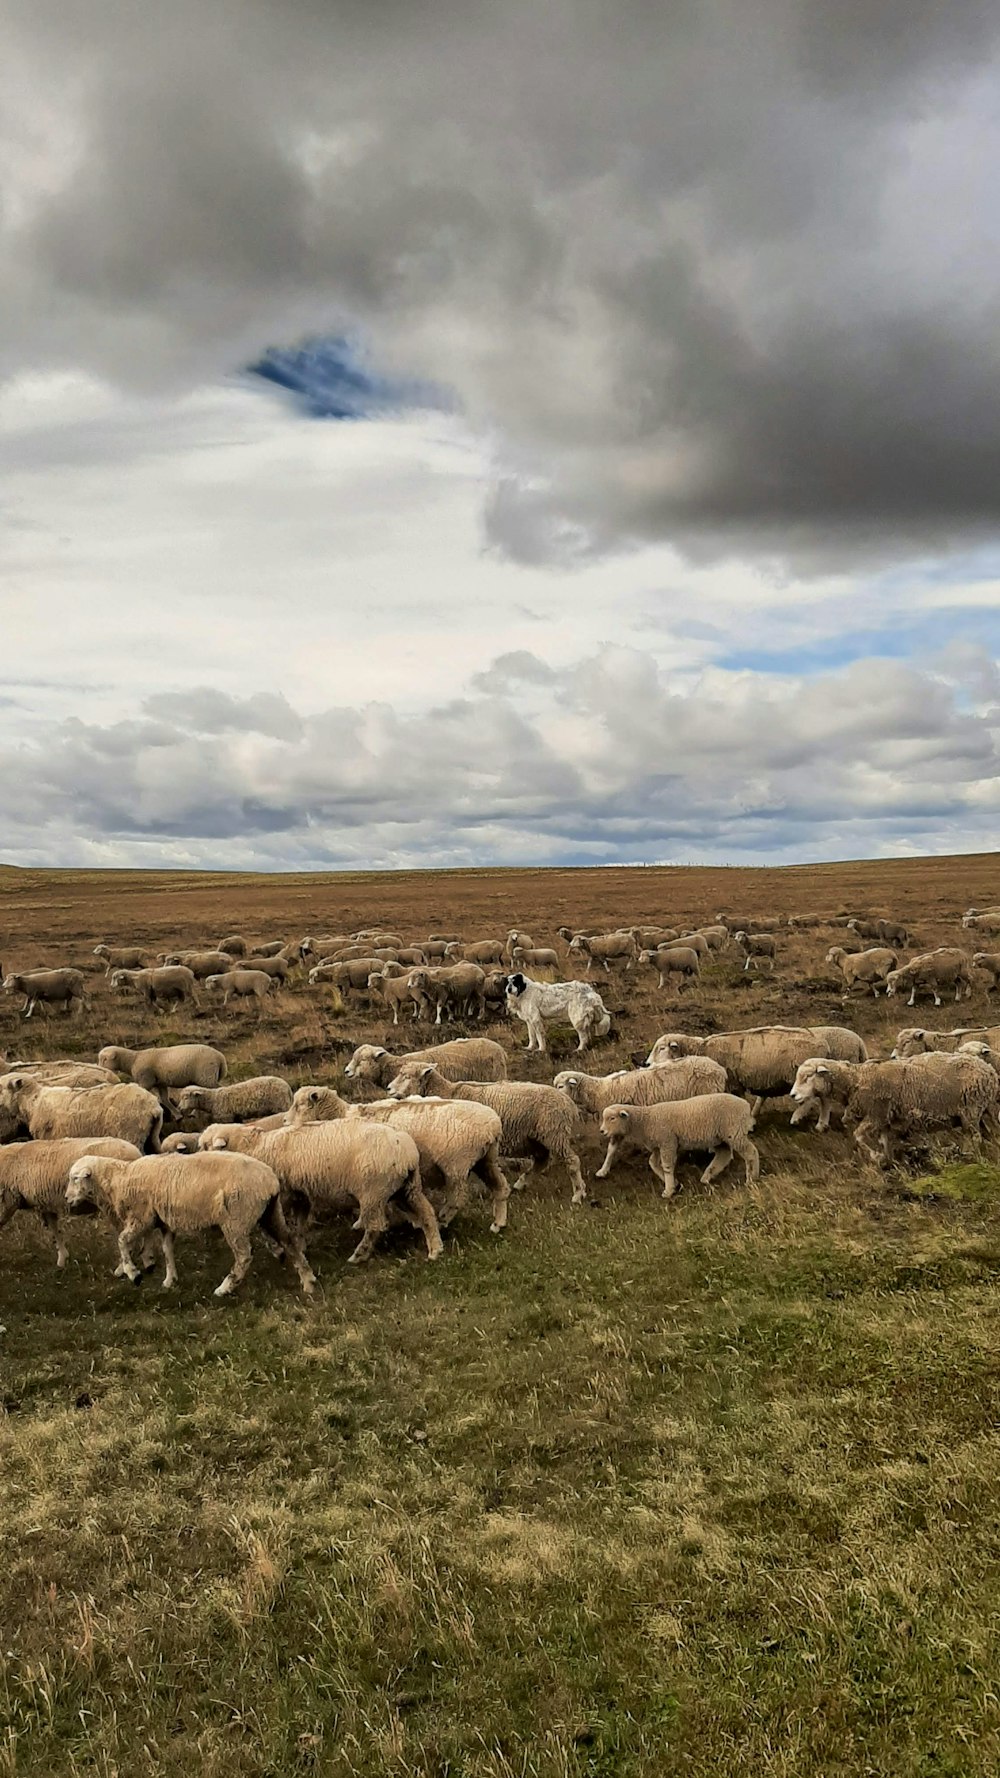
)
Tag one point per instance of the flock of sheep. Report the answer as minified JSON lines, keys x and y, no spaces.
{"x":251,"y":1156}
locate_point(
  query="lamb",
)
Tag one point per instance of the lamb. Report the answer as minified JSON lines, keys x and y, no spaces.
{"x":484,"y":950}
{"x":48,"y":988}
{"x":242,"y":984}
{"x":455,"y":1138}
{"x":163,"y":1070}
{"x":886,"y":1099}
{"x":761,"y":1062}
{"x":755,"y":944}
{"x":200,"y":963}
{"x":535,"y":1002}
{"x":717,"y":1123}
{"x":394,"y":990}
{"x":943,"y":968}
{"x":863,"y":968}
{"x":327,"y":1166}
{"x":182,"y":1194}
{"x":459,"y":987}
{"x":171,"y":986}
{"x":120,"y":957}
{"x":672,"y":961}
{"x":688,"y":1078}
{"x":539,"y":957}
{"x":464,"y":1058}
{"x":33,"y":1177}
{"x":263,"y":1095}
{"x":989,"y":963}
{"x":986,"y":922}
{"x":539,"y":1123}
{"x":46,"y":1112}
{"x":234,"y":945}
{"x":606,"y":948}
{"x":914,"y":1041}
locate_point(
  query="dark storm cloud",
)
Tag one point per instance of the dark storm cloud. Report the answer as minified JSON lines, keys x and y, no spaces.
{"x":710,"y":272}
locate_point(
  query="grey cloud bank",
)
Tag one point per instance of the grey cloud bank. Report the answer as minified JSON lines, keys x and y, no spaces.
{"x":716,"y":274}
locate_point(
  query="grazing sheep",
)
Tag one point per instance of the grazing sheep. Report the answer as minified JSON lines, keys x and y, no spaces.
{"x":234,"y":945}
{"x":539,"y":1123}
{"x":47,"y":988}
{"x":459,"y":987}
{"x":163,"y":1070}
{"x":540,"y":957}
{"x":183,"y":1194}
{"x":864,"y":969}
{"x":761,"y":1062}
{"x":890,"y":1099}
{"x":578,"y":1002}
{"x":200,"y":963}
{"x":989,"y":963}
{"x":242,"y":984}
{"x":986,"y":922}
{"x":915,"y":1041}
{"x":326,"y":1167}
{"x":261,"y":1096}
{"x":455,"y":1138}
{"x":755,"y":944}
{"x":687,"y":1078}
{"x":718,"y":1124}
{"x":464,"y":1058}
{"x":943,"y":968}
{"x":672,"y":961}
{"x":605,"y":948}
{"x":482,"y":951}
{"x":122,"y":957}
{"x":33,"y":1177}
{"x":46,"y":1112}
{"x":170,"y":986}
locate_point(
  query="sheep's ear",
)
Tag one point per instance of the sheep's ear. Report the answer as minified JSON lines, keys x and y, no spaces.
{"x":312,"y":1096}
{"x":427,"y":1071}
{"x":572,"y":1080}
{"x":380,"y":1052}
{"x":625,"y":1117}
{"x":17,"y":1080}
{"x":823,"y":1069}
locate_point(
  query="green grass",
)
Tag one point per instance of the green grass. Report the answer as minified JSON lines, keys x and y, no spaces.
{"x":636,"y":1489}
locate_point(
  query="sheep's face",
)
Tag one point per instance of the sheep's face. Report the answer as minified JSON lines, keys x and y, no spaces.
{"x":909,"y":1043}
{"x":11,"y":984}
{"x":213,"y":983}
{"x":812,"y":1081}
{"x":80,"y":1188}
{"x":893,"y":982}
{"x":189,"y":1099}
{"x":615,"y":1122}
{"x":568,"y":1083}
{"x":408,"y":1083}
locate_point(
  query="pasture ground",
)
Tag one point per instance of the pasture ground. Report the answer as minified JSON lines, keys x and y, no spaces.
{"x":707,"y":1488}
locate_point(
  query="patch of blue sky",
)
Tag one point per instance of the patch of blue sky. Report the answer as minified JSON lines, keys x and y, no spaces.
{"x":904,"y":638}
{"x":332,"y":378}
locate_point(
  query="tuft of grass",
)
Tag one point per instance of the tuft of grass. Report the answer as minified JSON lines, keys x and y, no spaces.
{"x":960,"y":1182}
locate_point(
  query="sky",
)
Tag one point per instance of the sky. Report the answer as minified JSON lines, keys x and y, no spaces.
{"x":465,"y":431}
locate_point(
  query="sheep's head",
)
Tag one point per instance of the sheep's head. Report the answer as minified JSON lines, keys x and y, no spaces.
{"x":579,"y":943}
{"x":740,"y":938}
{"x":362,"y":1064}
{"x":213,"y":983}
{"x":813,"y":1080}
{"x":100,"y":950}
{"x":190,"y":1099}
{"x":179,"y":1143}
{"x":836,"y":954}
{"x":893,"y":982}
{"x":79,"y":1190}
{"x":11,"y":984}
{"x":570,"y":1084}
{"x":412,"y":1080}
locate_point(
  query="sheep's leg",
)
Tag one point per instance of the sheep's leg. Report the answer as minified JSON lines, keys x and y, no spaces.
{"x":527,"y":1166}
{"x":455,"y":1194}
{"x":489,"y":1171}
{"x":242,"y":1252}
{"x":614,"y":1144}
{"x":913,"y":996}
{"x":749,"y":1154}
{"x":667,"y":1158}
{"x":720,"y":1160}
{"x":285,"y":1236}
{"x":571,"y":1161}
{"x":373,"y":1220}
{"x":50,"y":1221}
{"x":169,"y":1263}
{"x":861,"y":1137}
{"x":126,"y":1235}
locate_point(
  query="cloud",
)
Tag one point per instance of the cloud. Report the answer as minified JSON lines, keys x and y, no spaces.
{"x":602,"y":760}
{"x":728,"y":283}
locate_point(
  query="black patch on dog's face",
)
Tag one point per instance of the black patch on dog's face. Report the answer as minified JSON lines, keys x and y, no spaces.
{"x":516,"y":983}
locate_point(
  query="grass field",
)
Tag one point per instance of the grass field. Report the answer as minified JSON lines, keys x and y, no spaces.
{"x":707,"y":1488}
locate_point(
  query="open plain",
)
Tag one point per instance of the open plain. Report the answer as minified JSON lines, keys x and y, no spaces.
{"x":632,"y":1488}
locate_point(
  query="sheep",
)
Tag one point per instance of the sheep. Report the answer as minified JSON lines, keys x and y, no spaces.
{"x":182,"y":1194}
{"x":242,"y":984}
{"x":914,"y":1041}
{"x":755,"y":944}
{"x":759,"y":965}
{"x":803,"y":921}
{"x":886,"y":1099}
{"x":842,"y":1044}
{"x":647,"y":938}
{"x":261,"y":1096}
{"x":234,"y":945}
{"x":717,"y":1123}
{"x":459,"y":987}
{"x":279,"y":968}
{"x":33,"y":1177}
{"x":329,"y":1165}
{"x":62,"y":1072}
{"x":605,"y":948}
{"x":200,"y":963}
{"x":353,"y":972}
{"x":161,"y":1071}
{"x":181,"y":1142}
{"x":672,"y":960}
{"x":464,"y":1058}
{"x":535,"y":1002}
{"x":120,"y":957}
{"x":864,"y":928}
{"x":169,"y":985}
{"x":716,"y":937}
{"x":695,"y":941}
{"x":539,"y":1123}
{"x":126,"y":1111}
{"x":517,"y":941}
{"x":454,"y":1138}
{"x":761,"y":1062}
{"x":485,"y":950}
{"x":445,"y":938}
{"x":373,"y":936}
{"x":291,"y":954}
{"x":48,"y":988}
{"x":242,"y":1138}
{"x":436,"y":949}
{"x":322,"y":947}
{"x":892,"y":932}
{"x":866,"y":969}
{"x":687,"y":1078}
{"x":985,"y":922}
{"x":538,"y":957}
{"x":943,"y":968}
{"x":745,"y":924}
{"x":989,"y":963}
{"x":394,"y":990}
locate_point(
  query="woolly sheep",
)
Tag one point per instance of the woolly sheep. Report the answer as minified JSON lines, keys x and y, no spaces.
{"x":455,"y":1138}
{"x":606,"y":948}
{"x":716,"y":937}
{"x":183,"y":1194}
{"x":482,"y":951}
{"x":241,"y":984}
{"x":539,"y":1123}
{"x":463,"y":1058}
{"x":394,"y":990}
{"x":687,"y":1078}
{"x":863,"y":968}
{"x":539,"y":957}
{"x":718,"y":1124}
{"x":200,"y":963}
{"x":62,"y":1072}
{"x":761,"y":1061}
{"x":578,"y":1002}
{"x":755,"y":944}
{"x":989,"y":963}
{"x":695,"y":941}
{"x":120,"y":957}
{"x":840,"y":1042}
{"x":986,"y":922}
{"x":234,"y":945}
{"x":165,"y":1069}
{"x":517,"y":941}
{"x":459,"y":988}
{"x":33,"y":1177}
{"x":332,"y":1165}
{"x":915,"y":1041}
{"x":126,"y":1111}
{"x":171,"y":986}
{"x":48,"y":988}
{"x":263,"y":1095}
{"x":181,"y":1142}
{"x":670,"y":961}
{"x":886,"y":1099}
{"x":353,"y":972}
{"x":943,"y":968}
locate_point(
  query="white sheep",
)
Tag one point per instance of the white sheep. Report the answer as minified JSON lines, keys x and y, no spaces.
{"x":463,"y":1058}
{"x":576,"y":1002}
{"x":604,"y":948}
{"x":718,"y":1124}
{"x":46,"y":1112}
{"x":120,"y":957}
{"x":989,"y":963}
{"x":687,"y":1078}
{"x":242,"y":984}
{"x":886,"y":1099}
{"x":183,"y":1194}
{"x":863,"y":968}
{"x":163,"y":1070}
{"x":47,"y":988}
{"x":260,"y":1096}
{"x":755,"y":944}
{"x":943,"y":968}
{"x":33,"y":1177}
{"x":915,"y":1041}
{"x":170,"y":986}
{"x":672,"y":960}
